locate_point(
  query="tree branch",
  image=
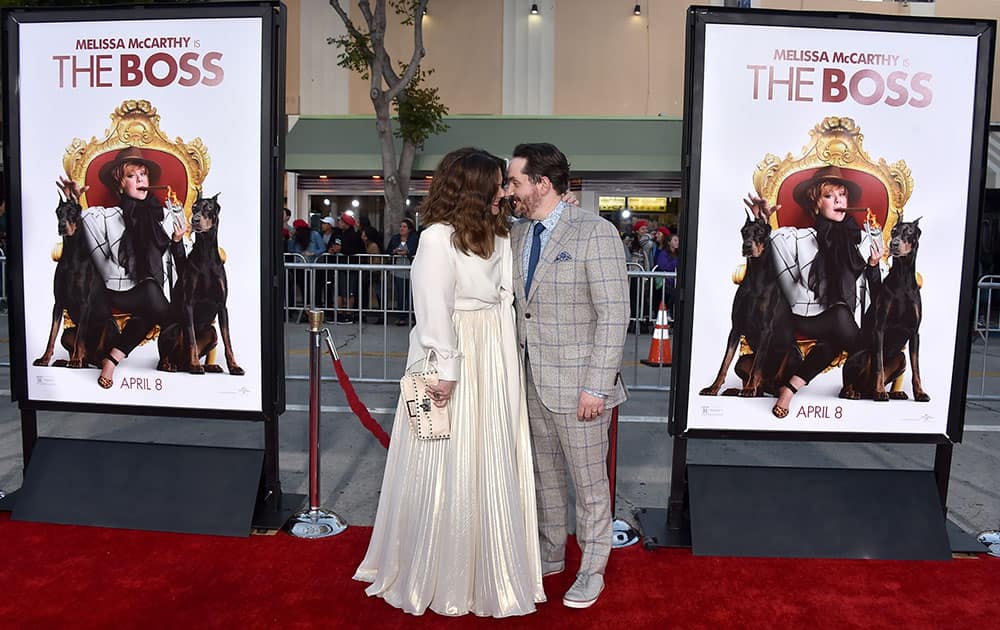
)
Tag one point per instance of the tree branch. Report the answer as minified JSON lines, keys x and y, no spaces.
{"x":353,"y":30}
{"x":376,"y":24}
{"x":418,"y":52}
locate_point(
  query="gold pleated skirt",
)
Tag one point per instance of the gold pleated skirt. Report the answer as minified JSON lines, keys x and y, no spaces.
{"x":456,"y":527}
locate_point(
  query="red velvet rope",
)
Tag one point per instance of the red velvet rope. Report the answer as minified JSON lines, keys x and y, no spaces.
{"x":358,"y":407}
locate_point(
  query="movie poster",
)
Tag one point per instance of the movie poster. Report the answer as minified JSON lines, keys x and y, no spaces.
{"x":832,"y":200}
{"x":157,"y":122}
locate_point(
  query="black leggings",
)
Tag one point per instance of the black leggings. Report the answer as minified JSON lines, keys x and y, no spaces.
{"x":147,"y":307}
{"x":834,"y":330}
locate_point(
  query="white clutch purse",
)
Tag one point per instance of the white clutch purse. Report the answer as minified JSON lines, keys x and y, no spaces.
{"x":427,"y":420}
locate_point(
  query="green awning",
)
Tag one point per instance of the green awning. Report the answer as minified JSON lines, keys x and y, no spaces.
{"x":646,"y":147}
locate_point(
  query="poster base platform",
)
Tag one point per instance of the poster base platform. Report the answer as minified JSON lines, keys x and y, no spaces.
{"x":266,"y":519}
{"x":128,"y":485}
{"x":657,"y":531}
{"x":7,"y":501}
{"x":962,"y":541}
{"x":749,"y":511}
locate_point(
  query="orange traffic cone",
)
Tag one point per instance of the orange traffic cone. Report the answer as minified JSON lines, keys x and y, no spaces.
{"x":659,"y":347}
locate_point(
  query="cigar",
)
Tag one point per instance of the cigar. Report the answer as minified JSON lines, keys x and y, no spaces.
{"x":153,"y":188}
{"x":855,"y":209}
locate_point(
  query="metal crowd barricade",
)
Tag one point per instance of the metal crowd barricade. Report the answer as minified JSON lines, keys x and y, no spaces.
{"x":298,"y":288}
{"x":987,"y":323}
{"x":375,"y":303}
{"x":368,"y":301}
{"x":651,"y":289}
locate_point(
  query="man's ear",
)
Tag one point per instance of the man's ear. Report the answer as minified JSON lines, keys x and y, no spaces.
{"x":545,"y":184}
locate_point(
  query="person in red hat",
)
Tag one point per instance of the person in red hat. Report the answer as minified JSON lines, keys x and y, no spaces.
{"x":818,"y":271}
{"x":641,"y":258}
{"x":305,"y":241}
{"x":128,"y":244}
{"x":309,"y":244}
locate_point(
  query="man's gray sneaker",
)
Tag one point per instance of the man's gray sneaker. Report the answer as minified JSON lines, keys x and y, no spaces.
{"x":989,"y":537}
{"x":585,"y":591}
{"x":552,"y":568}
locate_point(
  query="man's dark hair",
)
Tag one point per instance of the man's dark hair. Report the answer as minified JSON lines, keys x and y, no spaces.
{"x":287,"y":212}
{"x":544,"y":160}
{"x":409,"y":223}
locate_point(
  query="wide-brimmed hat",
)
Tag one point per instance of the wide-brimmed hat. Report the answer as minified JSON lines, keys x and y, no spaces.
{"x":130,"y":154}
{"x":825,"y":174}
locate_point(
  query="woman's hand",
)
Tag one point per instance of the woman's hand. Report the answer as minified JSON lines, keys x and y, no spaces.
{"x":759,"y":207}
{"x":570,"y":198}
{"x":876,"y":252}
{"x":180,"y":226}
{"x":441,"y":393}
{"x":70,"y":189}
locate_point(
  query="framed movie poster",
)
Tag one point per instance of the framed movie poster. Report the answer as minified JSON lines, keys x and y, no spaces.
{"x":143,"y":166}
{"x":836,"y":172}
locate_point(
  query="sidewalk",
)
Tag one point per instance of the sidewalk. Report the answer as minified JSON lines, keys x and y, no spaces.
{"x":352,"y":460}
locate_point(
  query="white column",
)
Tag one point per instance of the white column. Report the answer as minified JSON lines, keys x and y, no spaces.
{"x":922,"y":9}
{"x":292,"y":186}
{"x":323,"y":84}
{"x":528,"y":57}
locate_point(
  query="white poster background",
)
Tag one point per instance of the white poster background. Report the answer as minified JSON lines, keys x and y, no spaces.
{"x":227,"y":118}
{"x":738,"y":131}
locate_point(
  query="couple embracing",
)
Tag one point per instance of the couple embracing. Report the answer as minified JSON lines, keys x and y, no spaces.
{"x":472,"y":523}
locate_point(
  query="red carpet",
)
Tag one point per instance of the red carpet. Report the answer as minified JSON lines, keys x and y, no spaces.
{"x":54,"y":576}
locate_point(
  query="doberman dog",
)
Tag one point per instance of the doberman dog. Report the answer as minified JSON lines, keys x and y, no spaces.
{"x":892,"y":321}
{"x":198,"y":298}
{"x":79,"y":291}
{"x":761,"y":315}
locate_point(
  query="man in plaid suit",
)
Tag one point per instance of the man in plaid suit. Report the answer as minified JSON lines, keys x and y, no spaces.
{"x":572,"y":314}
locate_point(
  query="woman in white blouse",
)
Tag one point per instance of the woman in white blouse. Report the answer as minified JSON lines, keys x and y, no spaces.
{"x":456,"y":527}
{"x":818,"y":270}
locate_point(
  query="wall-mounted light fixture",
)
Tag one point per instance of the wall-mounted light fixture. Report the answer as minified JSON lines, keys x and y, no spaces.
{"x":637,"y":10}
{"x":534,"y":8}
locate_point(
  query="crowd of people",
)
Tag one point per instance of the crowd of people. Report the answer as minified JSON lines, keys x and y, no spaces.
{"x":650,"y":248}
{"x":345,"y":240}
{"x":351,"y":240}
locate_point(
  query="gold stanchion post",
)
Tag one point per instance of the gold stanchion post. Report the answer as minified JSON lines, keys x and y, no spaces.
{"x":314,"y":521}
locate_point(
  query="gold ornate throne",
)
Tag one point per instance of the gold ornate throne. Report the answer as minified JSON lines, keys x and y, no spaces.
{"x":834,"y":141}
{"x":135,"y":123}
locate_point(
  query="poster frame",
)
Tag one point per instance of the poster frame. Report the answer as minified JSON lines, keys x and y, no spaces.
{"x":272,"y":138}
{"x":698,"y":18}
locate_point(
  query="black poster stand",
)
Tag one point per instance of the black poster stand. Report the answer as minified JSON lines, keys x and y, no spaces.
{"x":806,"y":512}
{"x":268,"y":504}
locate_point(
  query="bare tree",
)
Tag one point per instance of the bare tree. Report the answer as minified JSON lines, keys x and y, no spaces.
{"x":418,"y":107}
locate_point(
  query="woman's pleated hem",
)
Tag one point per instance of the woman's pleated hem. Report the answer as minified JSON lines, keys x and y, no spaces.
{"x":419,"y":613}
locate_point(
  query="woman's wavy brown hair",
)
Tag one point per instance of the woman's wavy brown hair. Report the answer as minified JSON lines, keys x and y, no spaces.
{"x":461,"y":195}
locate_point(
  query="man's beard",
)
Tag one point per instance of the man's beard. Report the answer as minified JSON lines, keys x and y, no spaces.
{"x":530,"y":203}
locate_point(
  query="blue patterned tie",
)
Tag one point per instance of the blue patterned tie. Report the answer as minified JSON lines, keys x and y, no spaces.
{"x":536,"y":251}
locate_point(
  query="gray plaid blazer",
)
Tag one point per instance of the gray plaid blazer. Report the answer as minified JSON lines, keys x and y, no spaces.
{"x":574,"y":320}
